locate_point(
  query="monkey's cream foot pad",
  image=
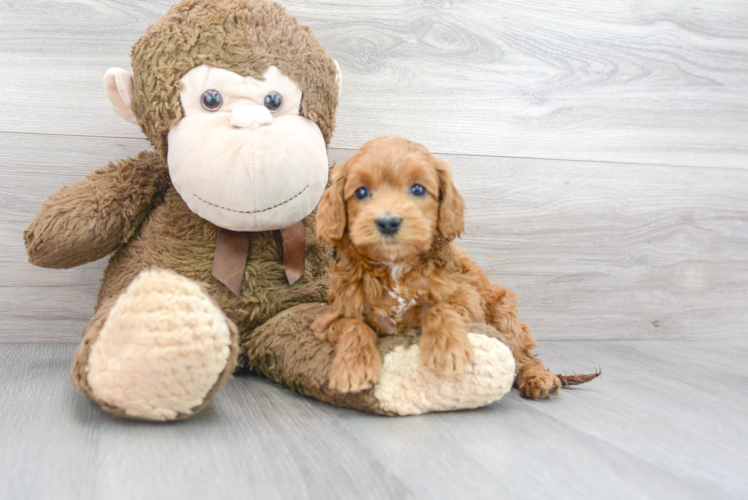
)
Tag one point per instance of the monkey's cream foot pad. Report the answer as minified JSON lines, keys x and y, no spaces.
{"x":162,"y":349}
{"x":407,"y":387}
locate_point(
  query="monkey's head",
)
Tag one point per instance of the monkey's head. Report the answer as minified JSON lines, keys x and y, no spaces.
{"x":239,"y":98}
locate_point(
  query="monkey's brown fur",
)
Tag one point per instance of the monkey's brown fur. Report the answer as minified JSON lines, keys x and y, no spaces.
{"x":443,"y":290}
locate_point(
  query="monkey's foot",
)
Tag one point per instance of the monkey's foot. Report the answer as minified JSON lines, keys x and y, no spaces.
{"x":407,"y":387}
{"x":286,"y":350}
{"x":163,"y":351}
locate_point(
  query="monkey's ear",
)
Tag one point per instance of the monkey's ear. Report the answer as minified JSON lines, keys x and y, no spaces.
{"x":338,"y":77}
{"x":451,"y":221}
{"x":331,"y":216}
{"x":120,"y":86}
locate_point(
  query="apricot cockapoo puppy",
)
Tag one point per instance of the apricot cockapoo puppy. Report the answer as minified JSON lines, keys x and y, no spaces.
{"x":392,"y":212}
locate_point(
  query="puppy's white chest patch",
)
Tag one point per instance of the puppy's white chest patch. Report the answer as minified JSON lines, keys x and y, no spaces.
{"x":403,"y":304}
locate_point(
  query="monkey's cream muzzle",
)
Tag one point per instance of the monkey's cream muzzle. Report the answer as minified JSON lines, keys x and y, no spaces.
{"x":250,"y":116}
{"x":241,"y":165}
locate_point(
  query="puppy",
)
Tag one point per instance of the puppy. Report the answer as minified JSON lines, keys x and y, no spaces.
{"x":392,"y":213}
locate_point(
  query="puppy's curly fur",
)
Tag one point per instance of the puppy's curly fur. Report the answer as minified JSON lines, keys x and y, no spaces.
{"x":397,"y":270}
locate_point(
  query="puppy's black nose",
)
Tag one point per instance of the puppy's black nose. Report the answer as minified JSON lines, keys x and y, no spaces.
{"x":389,"y":225}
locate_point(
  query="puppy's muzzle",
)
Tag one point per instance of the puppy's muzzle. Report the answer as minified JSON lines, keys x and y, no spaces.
{"x":389,"y":225}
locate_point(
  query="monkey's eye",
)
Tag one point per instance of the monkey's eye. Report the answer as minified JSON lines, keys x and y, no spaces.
{"x":273,"y":101}
{"x":211,"y":100}
{"x":362,"y":193}
{"x":417,"y":190}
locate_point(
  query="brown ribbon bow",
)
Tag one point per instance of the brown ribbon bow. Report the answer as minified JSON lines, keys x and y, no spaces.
{"x":232,"y":250}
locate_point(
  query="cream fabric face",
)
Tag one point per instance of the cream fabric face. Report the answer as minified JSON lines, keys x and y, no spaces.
{"x":267,"y":173}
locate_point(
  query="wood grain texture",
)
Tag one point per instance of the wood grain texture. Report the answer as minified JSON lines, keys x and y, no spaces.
{"x":595,"y":251}
{"x":654,"y":82}
{"x":666,"y":420}
{"x":602,"y":148}
{"x":37,"y":303}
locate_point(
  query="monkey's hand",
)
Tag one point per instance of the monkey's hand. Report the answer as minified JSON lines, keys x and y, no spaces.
{"x":93,"y":217}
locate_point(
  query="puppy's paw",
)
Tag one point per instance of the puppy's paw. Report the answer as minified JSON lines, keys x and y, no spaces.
{"x":355,"y":371}
{"x":321,"y":326}
{"x":446,"y":352}
{"x":538,"y":384}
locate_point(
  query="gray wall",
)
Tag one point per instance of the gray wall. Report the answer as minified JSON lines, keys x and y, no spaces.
{"x":601,"y":146}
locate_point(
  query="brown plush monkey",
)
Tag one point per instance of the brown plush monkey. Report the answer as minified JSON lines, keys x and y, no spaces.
{"x":212,"y":233}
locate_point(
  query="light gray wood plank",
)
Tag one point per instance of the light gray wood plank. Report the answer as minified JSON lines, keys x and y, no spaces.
{"x":657,"y":394}
{"x":594,"y":250}
{"x":651,"y":82}
{"x":666,"y":420}
{"x":36,"y":303}
{"x":612,"y":251}
{"x":678,"y":407}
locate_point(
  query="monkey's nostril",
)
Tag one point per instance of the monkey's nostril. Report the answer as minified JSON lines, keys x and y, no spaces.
{"x":389,"y":225}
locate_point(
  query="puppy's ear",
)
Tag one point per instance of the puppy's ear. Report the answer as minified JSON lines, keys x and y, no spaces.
{"x":331,"y":216}
{"x":451,"y":204}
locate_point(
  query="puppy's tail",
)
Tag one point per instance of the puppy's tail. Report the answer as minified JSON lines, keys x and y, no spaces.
{"x":575,"y":379}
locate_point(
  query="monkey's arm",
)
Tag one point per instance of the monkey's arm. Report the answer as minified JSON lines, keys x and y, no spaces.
{"x":90,"y":219}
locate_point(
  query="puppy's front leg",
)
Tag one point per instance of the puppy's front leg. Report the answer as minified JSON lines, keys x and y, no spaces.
{"x":357,"y":363}
{"x":444,"y":343}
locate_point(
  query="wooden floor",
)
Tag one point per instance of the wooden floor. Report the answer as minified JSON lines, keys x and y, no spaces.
{"x":666,"y":420}
{"x":602,"y":148}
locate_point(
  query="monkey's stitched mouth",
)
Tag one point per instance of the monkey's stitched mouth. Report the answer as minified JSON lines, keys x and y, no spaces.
{"x":253,"y":211}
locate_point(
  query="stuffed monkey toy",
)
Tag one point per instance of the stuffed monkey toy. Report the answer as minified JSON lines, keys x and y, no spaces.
{"x":214,"y":260}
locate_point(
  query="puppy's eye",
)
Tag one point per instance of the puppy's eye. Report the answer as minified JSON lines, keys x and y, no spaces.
{"x":273,"y":101}
{"x":211,"y":100}
{"x":417,"y":190}
{"x":362,"y":193}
